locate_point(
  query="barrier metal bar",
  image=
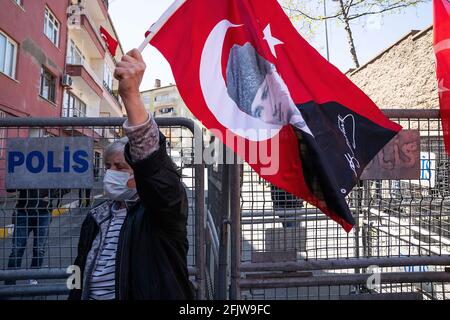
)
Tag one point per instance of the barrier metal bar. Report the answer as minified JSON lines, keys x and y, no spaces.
{"x":32,"y":291}
{"x":224,"y":246}
{"x":113,"y":121}
{"x":38,"y":274}
{"x":46,"y":290}
{"x":200,"y":216}
{"x":90,"y":122}
{"x":310,"y":265}
{"x":303,"y":214}
{"x":39,"y":290}
{"x":213,"y":234}
{"x":49,"y":274}
{"x":343,"y":279}
{"x":298,"y":213}
{"x":235,"y":210}
{"x":413,"y":113}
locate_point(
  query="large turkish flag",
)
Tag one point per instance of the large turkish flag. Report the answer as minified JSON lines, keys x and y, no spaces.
{"x":244,"y":71}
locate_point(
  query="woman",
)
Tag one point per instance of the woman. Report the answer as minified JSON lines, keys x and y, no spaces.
{"x":135,"y":245}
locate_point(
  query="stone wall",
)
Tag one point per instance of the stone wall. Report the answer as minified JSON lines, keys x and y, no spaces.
{"x":404,"y":76}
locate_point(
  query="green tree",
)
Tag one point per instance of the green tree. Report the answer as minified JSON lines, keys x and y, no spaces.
{"x":346,"y":11}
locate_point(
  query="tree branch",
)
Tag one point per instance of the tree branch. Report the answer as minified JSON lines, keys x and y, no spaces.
{"x":355,"y":4}
{"x":383,"y":10}
{"x":310,"y":17}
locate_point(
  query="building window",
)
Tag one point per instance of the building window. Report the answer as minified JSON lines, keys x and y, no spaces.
{"x":97,"y":165}
{"x":74,"y":55}
{"x":8,"y":56}
{"x":19,"y":2}
{"x":73,"y":106}
{"x":48,"y":85}
{"x":166,"y":110}
{"x":147,"y":100}
{"x":51,"y":27}
{"x":162,"y":98}
{"x":108,"y":78}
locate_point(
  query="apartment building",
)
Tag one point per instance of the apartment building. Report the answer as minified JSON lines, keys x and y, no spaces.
{"x":33,"y":41}
{"x":54,"y":62}
{"x":165,"y":101}
{"x":91,"y":89}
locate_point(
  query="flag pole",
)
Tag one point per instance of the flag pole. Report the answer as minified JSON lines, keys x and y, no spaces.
{"x":160,"y":23}
{"x":146,"y":41}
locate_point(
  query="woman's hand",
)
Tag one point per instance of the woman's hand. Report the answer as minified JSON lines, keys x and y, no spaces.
{"x":130,"y":72}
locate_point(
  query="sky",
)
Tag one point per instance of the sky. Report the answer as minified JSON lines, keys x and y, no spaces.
{"x":132,"y":18}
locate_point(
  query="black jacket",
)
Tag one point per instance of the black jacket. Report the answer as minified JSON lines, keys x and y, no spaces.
{"x":151,"y":262}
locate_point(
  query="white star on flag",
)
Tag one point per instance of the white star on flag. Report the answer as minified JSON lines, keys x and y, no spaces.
{"x":442,"y":89}
{"x":271,"y":40}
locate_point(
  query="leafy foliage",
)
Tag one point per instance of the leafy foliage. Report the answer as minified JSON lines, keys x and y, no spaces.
{"x":308,"y":15}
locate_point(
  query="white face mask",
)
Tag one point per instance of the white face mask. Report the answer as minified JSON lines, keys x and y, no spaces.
{"x":116,"y":187}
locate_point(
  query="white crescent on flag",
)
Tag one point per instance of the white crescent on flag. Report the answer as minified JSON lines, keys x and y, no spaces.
{"x":216,"y":94}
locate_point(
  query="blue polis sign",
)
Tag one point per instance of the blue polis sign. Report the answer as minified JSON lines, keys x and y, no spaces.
{"x":49,"y":163}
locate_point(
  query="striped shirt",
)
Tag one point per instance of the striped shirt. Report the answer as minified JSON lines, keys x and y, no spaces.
{"x":103,"y":281}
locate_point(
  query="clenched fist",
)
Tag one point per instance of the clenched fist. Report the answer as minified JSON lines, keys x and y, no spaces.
{"x":130,"y":72}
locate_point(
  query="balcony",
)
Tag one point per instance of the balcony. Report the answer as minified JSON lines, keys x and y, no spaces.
{"x":113,"y":94}
{"x":85,"y":31}
{"x":74,"y":112}
{"x":166,"y":102}
{"x":104,"y":5}
{"x":111,"y":103}
{"x":81,"y":70}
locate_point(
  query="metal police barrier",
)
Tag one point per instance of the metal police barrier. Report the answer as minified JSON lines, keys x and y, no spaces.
{"x":283,"y":248}
{"x":37,"y":263}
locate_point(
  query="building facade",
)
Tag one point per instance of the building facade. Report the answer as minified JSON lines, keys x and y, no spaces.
{"x":53,"y":61}
{"x":165,"y":101}
{"x":92,"y":89}
{"x":33,"y":41}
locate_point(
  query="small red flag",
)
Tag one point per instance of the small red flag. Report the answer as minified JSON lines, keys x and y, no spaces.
{"x":111,"y":43}
{"x":442,"y":51}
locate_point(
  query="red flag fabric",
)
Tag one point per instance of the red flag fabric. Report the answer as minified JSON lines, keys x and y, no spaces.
{"x":111,"y":43}
{"x":442,"y":50}
{"x":246,"y":73}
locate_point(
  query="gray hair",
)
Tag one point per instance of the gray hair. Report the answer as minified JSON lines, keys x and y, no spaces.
{"x":115,"y":147}
{"x":246,"y":71}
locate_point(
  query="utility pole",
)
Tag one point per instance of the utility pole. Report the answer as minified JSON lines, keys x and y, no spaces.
{"x":326,"y":28}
